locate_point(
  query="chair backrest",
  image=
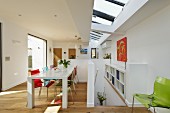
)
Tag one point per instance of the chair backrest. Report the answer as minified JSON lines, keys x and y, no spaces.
{"x":51,"y":66}
{"x":37,"y":82}
{"x":75,"y":69}
{"x":71,"y":77}
{"x":33,"y":72}
{"x":162,"y":92}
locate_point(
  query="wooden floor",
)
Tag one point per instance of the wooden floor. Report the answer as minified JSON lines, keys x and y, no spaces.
{"x":14,"y":100}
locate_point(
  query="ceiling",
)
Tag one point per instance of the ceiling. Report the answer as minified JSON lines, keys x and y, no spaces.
{"x":59,"y":20}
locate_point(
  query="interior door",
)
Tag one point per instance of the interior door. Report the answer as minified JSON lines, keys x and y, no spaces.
{"x":0,"y":59}
{"x":57,"y":55}
{"x":72,"y":53}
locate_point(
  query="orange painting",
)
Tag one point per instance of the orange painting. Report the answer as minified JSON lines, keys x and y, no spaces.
{"x":122,"y":50}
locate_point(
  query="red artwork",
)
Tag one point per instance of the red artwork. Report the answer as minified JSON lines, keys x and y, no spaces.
{"x":122,"y":50}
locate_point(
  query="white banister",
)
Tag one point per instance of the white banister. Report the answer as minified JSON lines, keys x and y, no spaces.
{"x":90,"y":84}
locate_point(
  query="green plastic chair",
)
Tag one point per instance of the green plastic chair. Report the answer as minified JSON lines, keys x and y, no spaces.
{"x":160,"y":96}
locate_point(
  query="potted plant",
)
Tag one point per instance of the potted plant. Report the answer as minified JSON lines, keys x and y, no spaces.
{"x":64,"y":63}
{"x":107,"y":56}
{"x":101,"y":97}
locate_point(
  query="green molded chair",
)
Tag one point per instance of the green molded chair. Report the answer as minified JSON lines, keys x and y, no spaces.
{"x":160,"y":96}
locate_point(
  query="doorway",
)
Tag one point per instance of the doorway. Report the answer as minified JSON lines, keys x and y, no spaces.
{"x":0,"y":58}
{"x":37,"y":52}
{"x":57,"y":56}
{"x":72,"y":53}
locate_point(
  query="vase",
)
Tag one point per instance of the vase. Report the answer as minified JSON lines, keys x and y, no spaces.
{"x":64,"y":68}
{"x":101,"y":103}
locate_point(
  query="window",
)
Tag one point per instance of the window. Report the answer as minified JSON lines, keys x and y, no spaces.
{"x":93,"y":53}
{"x":37,"y":52}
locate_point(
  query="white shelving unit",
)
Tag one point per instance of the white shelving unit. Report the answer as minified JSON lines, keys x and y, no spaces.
{"x":116,"y":77}
{"x":127,"y":82}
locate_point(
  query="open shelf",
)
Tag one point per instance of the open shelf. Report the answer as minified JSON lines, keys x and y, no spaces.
{"x":116,"y":77}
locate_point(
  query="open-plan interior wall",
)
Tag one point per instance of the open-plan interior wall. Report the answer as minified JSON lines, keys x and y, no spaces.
{"x":15,"y":53}
{"x":148,"y":42}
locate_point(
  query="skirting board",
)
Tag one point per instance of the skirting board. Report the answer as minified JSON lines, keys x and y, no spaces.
{"x":83,"y":81}
{"x":90,"y":104}
{"x":135,"y":104}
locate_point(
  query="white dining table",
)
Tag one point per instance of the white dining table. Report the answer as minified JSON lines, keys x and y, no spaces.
{"x":51,"y":74}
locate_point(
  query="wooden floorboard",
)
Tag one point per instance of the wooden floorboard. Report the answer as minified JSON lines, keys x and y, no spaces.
{"x":14,"y":100}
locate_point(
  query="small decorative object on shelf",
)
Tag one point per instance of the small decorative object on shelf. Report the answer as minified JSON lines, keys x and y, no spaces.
{"x":107,"y":56}
{"x":101,"y":97}
{"x":64,"y":63}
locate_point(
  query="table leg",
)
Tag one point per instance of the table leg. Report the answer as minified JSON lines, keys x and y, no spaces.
{"x":65,"y":93}
{"x":30,"y":93}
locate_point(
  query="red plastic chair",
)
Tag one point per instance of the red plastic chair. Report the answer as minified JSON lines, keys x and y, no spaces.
{"x":39,"y":83}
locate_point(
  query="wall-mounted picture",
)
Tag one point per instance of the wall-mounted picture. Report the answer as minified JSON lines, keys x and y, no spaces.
{"x":122,"y":50}
{"x":83,"y":51}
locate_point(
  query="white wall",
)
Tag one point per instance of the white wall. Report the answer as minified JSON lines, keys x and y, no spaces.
{"x":82,"y":68}
{"x":99,"y":85}
{"x":14,"y":45}
{"x":112,"y":98}
{"x":149,"y":42}
{"x":81,"y":59}
{"x":66,"y":45}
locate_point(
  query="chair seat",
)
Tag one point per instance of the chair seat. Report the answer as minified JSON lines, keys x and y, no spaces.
{"x":151,"y":100}
{"x":160,"y":96}
{"x":160,"y":102}
{"x":37,"y":83}
{"x":48,"y":83}
{"x":144,"y":99}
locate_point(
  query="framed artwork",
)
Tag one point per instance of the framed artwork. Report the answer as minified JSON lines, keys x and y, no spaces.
{"x":83,"y":51}
{"x":122,"y":50}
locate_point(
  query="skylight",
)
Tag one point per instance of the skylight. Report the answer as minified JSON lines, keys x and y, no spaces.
{"x":101,"y":20}
{"x":96,"y":36}
{"x":105,"y":11}
{"x":122,"y":1}
{"x":107,"y":7}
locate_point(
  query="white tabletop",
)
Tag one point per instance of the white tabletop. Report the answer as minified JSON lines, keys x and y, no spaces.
{"x":53,"y":74}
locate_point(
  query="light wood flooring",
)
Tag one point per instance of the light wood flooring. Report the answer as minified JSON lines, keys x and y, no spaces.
{"x":14,"y":100}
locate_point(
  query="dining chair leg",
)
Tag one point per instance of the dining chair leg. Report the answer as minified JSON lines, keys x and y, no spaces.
{"x":133,"y":103}
{"x":74,"y":87}
{"x":40,"y":91}
{"x":47,"y":93}
{"x":77,"y":79}
{"x":55,"y":91}
{"x":71,"y":94}
{"x":154,"y":109}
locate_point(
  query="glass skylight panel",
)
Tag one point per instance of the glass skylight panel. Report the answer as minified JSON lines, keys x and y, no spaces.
{"x":101,"y":20}
{"x":123,"y":1}
{"x":107,"y":7}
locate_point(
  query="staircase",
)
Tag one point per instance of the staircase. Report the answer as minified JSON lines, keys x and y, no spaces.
{"x":80,"y":103}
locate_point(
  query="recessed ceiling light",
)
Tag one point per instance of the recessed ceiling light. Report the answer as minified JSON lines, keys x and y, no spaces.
{"x":55,"y":15}
{"x":19,"y":15}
